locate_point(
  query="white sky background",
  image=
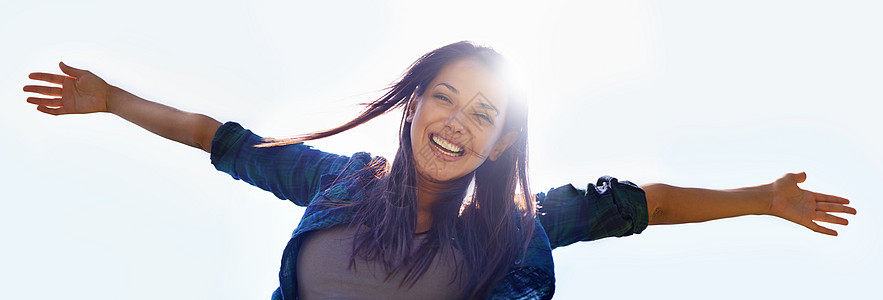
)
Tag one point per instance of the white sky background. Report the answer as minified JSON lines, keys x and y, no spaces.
{"x":692,"y":93}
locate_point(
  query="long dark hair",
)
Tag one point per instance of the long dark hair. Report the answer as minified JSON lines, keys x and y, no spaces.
{"x":491,"y":229}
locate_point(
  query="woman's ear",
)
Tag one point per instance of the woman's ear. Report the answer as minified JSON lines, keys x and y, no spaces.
{"x":412,"y":107}
{"x":411,"y":110}
{"x":502,"y":144}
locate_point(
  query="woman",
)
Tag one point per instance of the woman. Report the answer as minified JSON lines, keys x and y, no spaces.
{"x":376,"y":230}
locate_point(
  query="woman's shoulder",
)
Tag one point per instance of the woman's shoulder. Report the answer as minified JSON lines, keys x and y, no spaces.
{"x":353,"y":178}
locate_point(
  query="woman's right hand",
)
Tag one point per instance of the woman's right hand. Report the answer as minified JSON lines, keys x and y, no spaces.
{"x":81,"y":92}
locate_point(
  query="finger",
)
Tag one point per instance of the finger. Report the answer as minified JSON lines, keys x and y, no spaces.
{"x":823,"y":230}
{"x":830,"y":198}
{"x":53,"y":78}
{"x":45,"y":101}
{"x":829,"y":218}
{"x":45,"y":90}
{"x":834,"y":207}
{"x":71,"y":70}
{"x":799,"y":177}
{"x":51,"y":111}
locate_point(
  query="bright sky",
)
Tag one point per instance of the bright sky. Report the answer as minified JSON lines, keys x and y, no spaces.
{"x":715,"y":94}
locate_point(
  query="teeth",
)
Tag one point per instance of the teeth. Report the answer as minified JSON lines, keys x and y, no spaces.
{"x":447,"y":146}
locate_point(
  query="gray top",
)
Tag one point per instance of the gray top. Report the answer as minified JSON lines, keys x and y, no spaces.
{"x":323,"y":271}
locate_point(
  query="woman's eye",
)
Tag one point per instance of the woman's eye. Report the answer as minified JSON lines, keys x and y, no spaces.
{"x":443,"y":98}
{"x":485,"y":117}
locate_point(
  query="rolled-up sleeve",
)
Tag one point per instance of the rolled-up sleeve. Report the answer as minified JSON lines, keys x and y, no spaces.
{"x":291,"y":172}
{"x":608,"y":208}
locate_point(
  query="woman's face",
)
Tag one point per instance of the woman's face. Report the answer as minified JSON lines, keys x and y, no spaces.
{"x":456,"y":124}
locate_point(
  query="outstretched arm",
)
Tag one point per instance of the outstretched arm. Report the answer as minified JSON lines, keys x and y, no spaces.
{"x":668,"y":204}
{"x":82,"y":92}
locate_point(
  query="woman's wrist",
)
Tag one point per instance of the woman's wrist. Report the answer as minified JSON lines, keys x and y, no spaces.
{"x":113,"y":99}
{"x":765,"y":198}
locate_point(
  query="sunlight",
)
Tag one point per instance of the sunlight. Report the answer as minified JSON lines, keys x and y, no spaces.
{"x":702,"y":93}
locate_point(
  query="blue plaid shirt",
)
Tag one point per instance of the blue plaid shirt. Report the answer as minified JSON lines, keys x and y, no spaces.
{"x":309,"y":177}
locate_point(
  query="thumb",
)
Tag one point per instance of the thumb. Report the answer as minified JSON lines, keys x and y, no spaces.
{"x":70,"y":70}
{"x":799,"y":177}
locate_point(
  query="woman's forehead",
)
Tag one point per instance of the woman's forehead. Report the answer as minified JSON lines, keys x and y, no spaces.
{"x":469,"y":78}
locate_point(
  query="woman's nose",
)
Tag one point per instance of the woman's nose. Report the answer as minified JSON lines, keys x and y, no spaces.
{"x":455,"y":121}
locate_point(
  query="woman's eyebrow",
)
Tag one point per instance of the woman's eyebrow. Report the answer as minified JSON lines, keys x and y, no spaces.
{"x":490,"y":107}
{"x":449,"y":87}
{"x":482,"y":101}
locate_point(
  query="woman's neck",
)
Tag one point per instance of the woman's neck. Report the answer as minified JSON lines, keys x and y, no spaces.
{"x":429,"y":192}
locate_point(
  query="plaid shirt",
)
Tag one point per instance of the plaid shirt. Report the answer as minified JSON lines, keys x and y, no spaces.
{"x":310,"y":177}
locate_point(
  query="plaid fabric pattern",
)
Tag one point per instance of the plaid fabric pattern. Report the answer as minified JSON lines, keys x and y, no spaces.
{"x":608,"y":208}
{"x":309,"y":177}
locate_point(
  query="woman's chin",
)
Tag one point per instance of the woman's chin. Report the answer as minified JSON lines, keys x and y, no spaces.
{"x":438,"y":176}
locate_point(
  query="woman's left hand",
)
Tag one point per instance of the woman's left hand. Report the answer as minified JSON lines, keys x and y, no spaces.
{"x":803,"y":207}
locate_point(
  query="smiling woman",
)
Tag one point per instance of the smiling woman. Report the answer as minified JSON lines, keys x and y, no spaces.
{"x":410,"y":229}
{"x":460,"y":122}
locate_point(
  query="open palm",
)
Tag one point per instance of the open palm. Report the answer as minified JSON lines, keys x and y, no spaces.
{"x":80,"y":92}
{"x":803,"y":207}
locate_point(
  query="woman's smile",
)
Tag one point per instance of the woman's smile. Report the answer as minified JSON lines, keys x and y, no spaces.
{"x":444,"y":148}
